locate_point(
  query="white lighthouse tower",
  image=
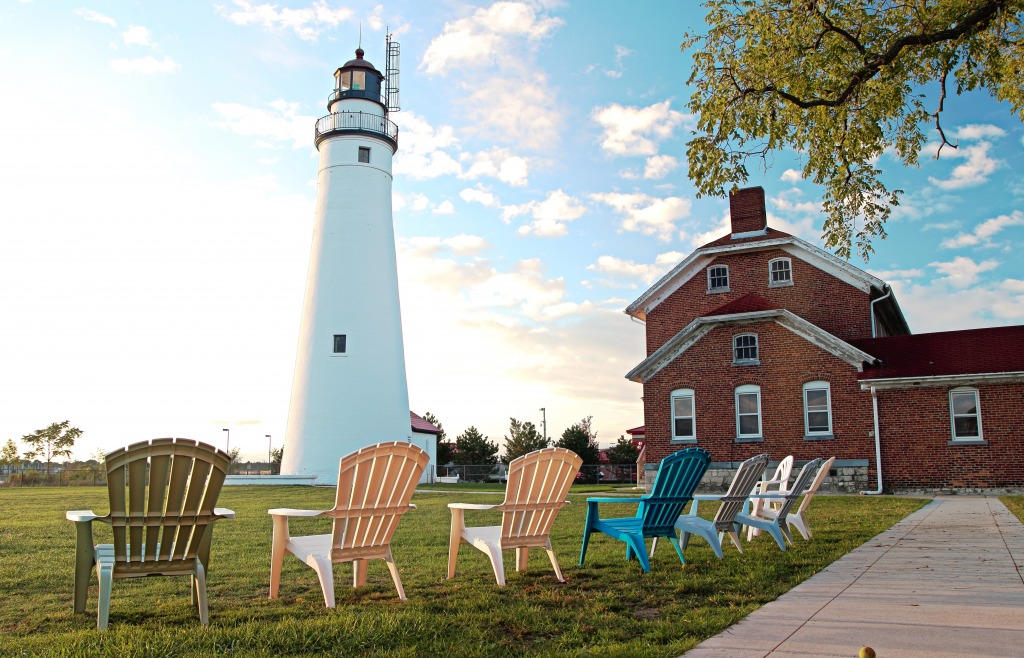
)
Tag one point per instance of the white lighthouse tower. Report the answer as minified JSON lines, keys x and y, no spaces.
{"x":349,"y":388}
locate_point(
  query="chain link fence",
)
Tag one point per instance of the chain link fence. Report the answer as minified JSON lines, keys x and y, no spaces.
{"x":589,"y":473}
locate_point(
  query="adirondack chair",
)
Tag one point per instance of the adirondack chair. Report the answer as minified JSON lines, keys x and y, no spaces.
{"x":162,"y":529}
{"x":779,"y":481}
{"x":537,"y":485}
{"x":797,"y":518}
{"x":678,"y":477}
{"x":725,"y":521}
{"x":778,"y":527}
{"x":374,"y":488}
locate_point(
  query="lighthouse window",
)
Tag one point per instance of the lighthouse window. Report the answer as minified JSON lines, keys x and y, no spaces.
{"x":345,"y":81}
{"x":359,"y":79}
{"x":339,"y":343}
{"x":364,"y":153}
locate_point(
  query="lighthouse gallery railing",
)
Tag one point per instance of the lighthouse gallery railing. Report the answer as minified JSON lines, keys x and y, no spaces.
{"x":355,"y":121}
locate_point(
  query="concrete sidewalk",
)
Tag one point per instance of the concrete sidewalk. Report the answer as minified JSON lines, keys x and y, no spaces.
{"x":944,"y":582}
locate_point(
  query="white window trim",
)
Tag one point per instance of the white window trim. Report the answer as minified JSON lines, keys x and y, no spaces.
{"x":817,"y":386}
{"x":952,"y":416}
{"x":742,"y":390}
{"x":780,"y":284}
{"x":683,"y":393}
{"x":728,"y":281}
{"x":757,"y":349}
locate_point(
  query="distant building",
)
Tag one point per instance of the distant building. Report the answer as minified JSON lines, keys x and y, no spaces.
{"x":761,"y":342}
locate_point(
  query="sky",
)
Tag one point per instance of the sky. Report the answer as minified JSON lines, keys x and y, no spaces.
{"x":158,"y":184}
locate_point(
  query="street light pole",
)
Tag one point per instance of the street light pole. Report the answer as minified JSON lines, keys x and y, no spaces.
{"x":544,"y":411}
{"x":270,"y":454}
{"x":228,"y":449}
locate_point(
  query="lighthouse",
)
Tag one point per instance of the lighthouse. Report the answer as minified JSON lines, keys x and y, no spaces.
{"x":349,"y":388}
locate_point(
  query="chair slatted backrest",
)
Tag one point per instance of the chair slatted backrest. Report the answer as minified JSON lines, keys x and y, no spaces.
{"x":746,"y":478}
{"x":538,"y":483}
{"x":816,"y":483}
{"x":782,"y":472}
{"x":803,"y":479}
{"x":162,"y":496}
{"x":375,"y":485}
{"x":677,"y":479}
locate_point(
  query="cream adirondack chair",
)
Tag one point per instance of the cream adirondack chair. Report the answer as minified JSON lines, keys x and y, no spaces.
{"x":162,"y":529}
{"x":797,"y":518}
{"x":777,"y":526}
{"x":374,"y":488}
{"x":779,"y":481}
{"x":537,"y":485}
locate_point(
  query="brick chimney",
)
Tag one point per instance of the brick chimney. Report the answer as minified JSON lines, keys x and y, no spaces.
{"x":746,"y":207}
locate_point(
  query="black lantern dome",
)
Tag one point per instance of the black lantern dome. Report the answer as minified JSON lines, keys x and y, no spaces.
{"x":357,"y":78}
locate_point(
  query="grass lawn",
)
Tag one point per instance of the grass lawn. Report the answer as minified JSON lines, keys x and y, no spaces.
{"x":606,"y":608}
{"x":1015,"y":504}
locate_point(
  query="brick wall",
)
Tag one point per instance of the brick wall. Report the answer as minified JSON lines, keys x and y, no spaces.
{"x":916,"y":449}
{"x":816,"y":296}
{"x":787,"y":362}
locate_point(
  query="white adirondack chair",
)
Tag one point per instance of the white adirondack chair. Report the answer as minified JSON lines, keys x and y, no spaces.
{"x":374,"y":488}
{"x":725,"y":521}
{"x":537,"y":485}
{"x":797,"y":518}
{"x":777,"y":526}
{"x":162,"y":495}
{"x":779,"y":481}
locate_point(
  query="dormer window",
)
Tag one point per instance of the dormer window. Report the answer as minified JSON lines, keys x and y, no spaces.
{"x":744,"y":350}
{"x":780,"y":272}
{"x":718,"y":278}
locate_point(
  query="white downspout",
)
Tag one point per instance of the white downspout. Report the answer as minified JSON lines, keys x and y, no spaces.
{"x":878,"y":444}
{"x":885,"y":296}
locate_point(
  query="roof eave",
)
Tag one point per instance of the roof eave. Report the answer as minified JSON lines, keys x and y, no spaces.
{"x":940,"y":380}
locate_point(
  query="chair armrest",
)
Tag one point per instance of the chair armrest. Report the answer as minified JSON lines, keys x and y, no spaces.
{"x":469,"y":506}
{"x":285,"y":511}
{"x":615,"y":500}
{"x":224,"y":512}
{"x":81,"y":515}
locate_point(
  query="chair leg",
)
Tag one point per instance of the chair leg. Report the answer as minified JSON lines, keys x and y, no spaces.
{"x":394,"y":575}
{"x":776,"y":533}
{"x":325,"y":572}
{"x":200,"y":590}
{"x":734,"y":536}
{"x":554,"y":562}
{"x":359,"y":572}
{"x":586,"y":540}
{"x":635,"y":544}
{"x":456,"y":538}
{"x":755,"y":510}
{"x":522,"y":558}
{"x":679,"y":550}
{"x":277,"y":551}
{"x":797,"y":521}
{"x":85,"y":557}
{"x":105,"y":575}
{"x":497,"y":564}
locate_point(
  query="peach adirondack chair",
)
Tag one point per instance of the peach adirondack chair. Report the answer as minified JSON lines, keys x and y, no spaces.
{"x":374,"y":488}
{"x":537,"y":485}
{"x":162,"y":495}
{"x":779,"y":482}
{"x":797,"y":518}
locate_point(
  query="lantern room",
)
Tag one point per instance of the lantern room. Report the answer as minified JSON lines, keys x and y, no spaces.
{"x":357,"y":78}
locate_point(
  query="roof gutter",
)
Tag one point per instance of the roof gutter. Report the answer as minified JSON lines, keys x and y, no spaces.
{"x":878,"y":445}
{"x":887,"y":295}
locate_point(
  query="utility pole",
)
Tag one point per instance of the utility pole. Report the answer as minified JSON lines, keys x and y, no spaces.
{"x":544,"y":422}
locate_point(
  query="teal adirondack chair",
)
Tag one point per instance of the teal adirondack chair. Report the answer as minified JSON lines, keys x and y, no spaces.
{"x":678,"y":477}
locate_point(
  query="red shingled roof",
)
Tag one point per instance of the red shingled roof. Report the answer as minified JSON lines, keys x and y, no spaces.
{"x":748,"y":303}
{"x":968,"y":352}
{"x":727,"y":238}
{"x":420,"y":425}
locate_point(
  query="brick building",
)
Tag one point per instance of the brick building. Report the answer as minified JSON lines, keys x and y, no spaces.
{"x":761,"y":342}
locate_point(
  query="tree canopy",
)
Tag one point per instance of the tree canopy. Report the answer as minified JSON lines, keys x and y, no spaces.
{"x":581,"y":439}
{"x":623,"y":452}
{"x":472,"y":447}
{"x":56,"y":440}
{"x":840,"y":81}
{"x":523,"y":438}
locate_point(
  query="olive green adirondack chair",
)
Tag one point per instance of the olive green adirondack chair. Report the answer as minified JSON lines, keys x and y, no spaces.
{"x":162,"y":496}
{"x":374,"y":488}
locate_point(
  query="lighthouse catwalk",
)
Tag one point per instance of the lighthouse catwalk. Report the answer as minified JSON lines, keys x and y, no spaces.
{"x":349,"y":388}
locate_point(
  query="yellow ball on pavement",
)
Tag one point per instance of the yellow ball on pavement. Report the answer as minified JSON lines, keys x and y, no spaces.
{"x":866,"y":652}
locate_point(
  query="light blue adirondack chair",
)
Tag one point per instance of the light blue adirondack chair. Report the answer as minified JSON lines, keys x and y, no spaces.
{"x":678,"y":477}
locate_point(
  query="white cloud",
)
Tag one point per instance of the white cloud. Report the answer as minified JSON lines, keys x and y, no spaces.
{"x":500,"y":164}
{"x":145,"y":65}
{"x":659,"y":166}
{"x":307,"y":23}
{"x":96,"y":17}
{"x":984,"y":232}
{"x":927,"y":304}
{"x":790,"y":201}
{"x":413,"y":202}
{"x":723,"y":227}
{"x":980,"y":131}
{"x":136,"y":35}
{"x":621,"y":53}
{"x":889,"y":275}
{"x":504,"y":107}
{"x":646,"y":214}
{"x":975,"y":171}
{"x":962,"y":272}
{"x":480,"y":195}
{"x":489,"y":36}
{"x":466,"y":245}
{"x":636,"y":130}
{"x":648,"y":273}
{"x":550,"y":216}
{"x":422,"y":153}
{"x":444,"y":208}
{"x":791,"y":176}
{"x":282,"y":122}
